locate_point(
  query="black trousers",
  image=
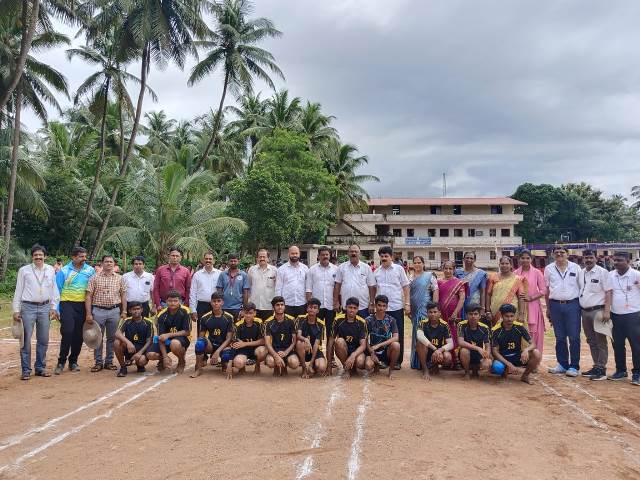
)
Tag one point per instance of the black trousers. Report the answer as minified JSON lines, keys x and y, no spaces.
{"x":145,"y":309}
{"x":201,"y":308}
{"x":263,"y":314}
{"x":327,"y":316}
{"x":72,"y":315}
{"x":626,"y":328}
{"x":295,"y":310}
{"x":399,"y":316}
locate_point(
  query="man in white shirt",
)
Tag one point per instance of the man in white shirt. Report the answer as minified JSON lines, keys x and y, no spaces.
{"x":321,"y":278}
{"x":203,"y":285}
{"x":262,"y":278}
{"x":355,"y":279}
{"x":34,"y":302}
{"x":595,"y":302}
{"x":290,"y":283}
{"x":625,"y":314}
{"x":139,"y":286}
{"x":392,"y":281}
{"x":564,"y":284}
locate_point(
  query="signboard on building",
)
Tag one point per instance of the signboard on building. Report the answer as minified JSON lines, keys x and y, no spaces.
{"x":417,"y":241}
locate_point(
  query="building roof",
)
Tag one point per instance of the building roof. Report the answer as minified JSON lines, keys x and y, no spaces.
{"x":380,"y":202}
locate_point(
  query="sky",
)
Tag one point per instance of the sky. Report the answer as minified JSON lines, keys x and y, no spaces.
{"x":491,"y":93}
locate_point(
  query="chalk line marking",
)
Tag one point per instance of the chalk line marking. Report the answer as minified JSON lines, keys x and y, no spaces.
{"x":356,"y":447}
{"x":318,"y":431}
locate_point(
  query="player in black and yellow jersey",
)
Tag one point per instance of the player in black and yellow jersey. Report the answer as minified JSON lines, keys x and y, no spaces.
{"x":216,"y":333}
{"x":473,"y":340}
{"x":349,"y":339}
{"x":512,"y":345}
{"x":383,"y":345}
{"x":248,"y":341}
{"x":280,"y":339}
{"x":434,"y":342}
{"x":311,"y":332}
{"x":174,"y":333}
{"x":133,"y":338}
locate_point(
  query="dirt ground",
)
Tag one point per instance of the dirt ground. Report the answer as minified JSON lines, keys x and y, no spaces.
{"x":157,"y":426}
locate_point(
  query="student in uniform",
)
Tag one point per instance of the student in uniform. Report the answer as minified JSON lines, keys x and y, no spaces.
{"x":311,"y":332}
{"x":383,"y":346}
{"x":513,"y":347}
{"x":349,"y":338}
{"x":174,"y":332}
{"x":216,"y":334}
{"x":434,"y":342}
{"x":280,"y":339}
{"x":473,"y":339}
{"x":248,"y":343}
{"x":133,"y":338}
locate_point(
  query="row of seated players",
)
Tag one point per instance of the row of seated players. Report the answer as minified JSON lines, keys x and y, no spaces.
{"x":283,"y":342}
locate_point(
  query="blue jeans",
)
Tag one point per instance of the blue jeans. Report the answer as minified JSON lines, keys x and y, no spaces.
{"x":565,"y":318}
{"x":35,"y":316}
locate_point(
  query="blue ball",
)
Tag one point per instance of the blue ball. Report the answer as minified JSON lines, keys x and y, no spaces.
{"x":497,"y":367}
{"x":167,"y":342}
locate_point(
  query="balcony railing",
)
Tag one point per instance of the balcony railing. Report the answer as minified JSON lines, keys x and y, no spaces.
{"x":359,"y":239}
{"x":505,"y":219}
{"x":423,"y":241}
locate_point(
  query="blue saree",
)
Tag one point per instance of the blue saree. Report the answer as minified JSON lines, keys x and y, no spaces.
{"x":420,"y":295}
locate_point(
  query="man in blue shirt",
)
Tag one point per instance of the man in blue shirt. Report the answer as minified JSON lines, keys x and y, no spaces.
{"x":233,"y":284}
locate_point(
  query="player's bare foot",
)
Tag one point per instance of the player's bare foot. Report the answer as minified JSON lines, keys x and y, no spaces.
{"x":229,"y":373}
{"x":390,"y":374}
{"x":467,"y":376}
{"x":180,"y":367}
{"x":197,"y":373}
{"x":426,"y":376}
{"x":526,"y":379}
{"x":305,"y":374}
{"x":256,"y":371}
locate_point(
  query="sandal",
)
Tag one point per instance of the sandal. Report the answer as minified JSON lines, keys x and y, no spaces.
{"x":43,"y":374}
{"x":25,"y":376}
{"x":122,"y":372}
{"x":97,"y":367}
{"x":110,"y":366}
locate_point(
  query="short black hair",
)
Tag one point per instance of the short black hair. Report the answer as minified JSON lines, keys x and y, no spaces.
{"x":625,"y":255}
{"x":134,"y":305}
{"x":233,"y":256}
{"x":432,"y":305}
{"x":314,"y":301}
{"x":560,"y":247}
{"x":174,"y":248}
{"x":249,"y":306}
{"x":38,"y":248}
{"x":217,"y":296}
{"x":277,"y":299}
{"x":324,"y":248}
{"x":473,"y":307}
{"x":524,"y":251}
{"x":588,"y":251}
{"x":174,"y":294}
{"x":469,"y":253}
{"x":382,"y":298}
{"x":352,"y":301}
{"x":107,"y":256}
{"x":137,"y":258}
{"x":385,"y":249}
{"x":507,"y":308}
{"x":77,"y":250}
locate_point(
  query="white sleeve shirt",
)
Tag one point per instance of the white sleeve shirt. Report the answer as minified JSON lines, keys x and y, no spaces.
{"x":139,"y":287}
{"x":320,"y":282}
{"x":36,"y":285}
{"x":625,"y":296}
{"x":565,"y":285}
{"x":595,"y":283}
{"x":290,"y":284}
{"x":263,"y":286}
{"x":203,"y":284}
{"x":390,"y":282}
{"x":355,"y":282}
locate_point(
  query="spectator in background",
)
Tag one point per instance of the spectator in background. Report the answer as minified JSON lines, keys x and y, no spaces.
{"x":262,"y":279}
{"x":139,"y":285}
{"x":171,"y":277}
{"x":234,"y":285}
{"x":290,"y":283}
{"x":203,"y":284}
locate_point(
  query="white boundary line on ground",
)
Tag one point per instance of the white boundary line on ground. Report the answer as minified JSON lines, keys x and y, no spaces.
{"x":353,"y":465}
{"x":4,"y":328}
{"x":318,"y":431}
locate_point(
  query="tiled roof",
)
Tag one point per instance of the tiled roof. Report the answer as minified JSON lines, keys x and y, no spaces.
{"x":379,"y":202}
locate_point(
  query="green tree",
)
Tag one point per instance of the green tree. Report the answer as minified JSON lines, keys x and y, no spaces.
{"x":317,"y":126}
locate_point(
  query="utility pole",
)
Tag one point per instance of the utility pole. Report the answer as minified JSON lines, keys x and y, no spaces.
{"x":444,"y":184}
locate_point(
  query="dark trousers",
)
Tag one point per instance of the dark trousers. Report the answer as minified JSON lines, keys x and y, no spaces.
{"x":72,"y":315}
{"x":263,"y":314}
{"x":295,"y":310}
{"x":233,"y":311}
{"x":145,"y":309}
{"x":399,"y":316}
{"x":364,"y":313}
{"x":327,"y":316}
{"x":201,"y":308}
{"x":565,"y":318}
{"x":626,"y":328}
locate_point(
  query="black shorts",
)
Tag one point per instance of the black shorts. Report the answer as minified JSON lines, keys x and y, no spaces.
{"x":515,"y":360}
{"x":475,"y":358}
{"x":292,"y":352}
{"x":129,"y":356}
{"x":184,"y":341}
{"x":319,"y":354}
{"x":249,"y":352}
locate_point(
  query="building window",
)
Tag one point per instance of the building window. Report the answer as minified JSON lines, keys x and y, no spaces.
{"x":431,"y":255}
{"x":479,"y":233}
{"x":492,"y":255}
{"x":471,"y":232}
{"x":505,"y":232}
{"x":397,"y":232}
{"x":457,"y":232}
{"x":496,"y":209}
{"x":395,"y":210}
{"x":444,"y":232}
{"x":444,"y":256}
{"x":431,"y":232}
{"x":492,"y":232}
{"x":410,"y":255}
{"x":436,"y":210}
{"x":410,"y":232}
{"x":382,"y":230}
{"x":457,"y":209}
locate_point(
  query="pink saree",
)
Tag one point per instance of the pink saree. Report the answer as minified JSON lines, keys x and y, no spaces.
{"x":535,"y":316}
{"x":449,"y":297}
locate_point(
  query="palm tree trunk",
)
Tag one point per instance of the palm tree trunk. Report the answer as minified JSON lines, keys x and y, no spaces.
{"x":96,"y":177}
{"x":12,"y":182}
{"x":216,"y":123}
{"x":121,"y":126}
{"x":127,"y":157}
{"x":28,"y":30}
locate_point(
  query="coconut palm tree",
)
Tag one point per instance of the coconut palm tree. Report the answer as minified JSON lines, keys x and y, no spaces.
{"x":316,"y":126}
{"x":249,"y":115}
{"x":158,"y":130}
{"x":635,"y":193}
{"x":232,"y":45}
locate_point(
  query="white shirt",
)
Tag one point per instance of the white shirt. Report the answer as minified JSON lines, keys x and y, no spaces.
{"x":390,"y":282}
{"x":355,"y":282}
{"x":595,"y":283}
{"x":290,"y":284}
{"x":139,"y":287}
{"x":626,"y":292}
{"x":36,"y":285}
{"x":563,"y":285}
{"x":320,"y":282}
{"x":203,"y":284}
{"x":263,"y":285}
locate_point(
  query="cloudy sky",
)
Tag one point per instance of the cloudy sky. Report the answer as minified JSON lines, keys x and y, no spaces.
{"x":493,"y":93}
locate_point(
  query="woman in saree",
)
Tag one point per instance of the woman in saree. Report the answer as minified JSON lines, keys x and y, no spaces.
{"x":506,"y":287}
{"x":536,"y":289}
{"x":452,"y":293}
{"x":475,"y":278}
{"x":423,"y":289}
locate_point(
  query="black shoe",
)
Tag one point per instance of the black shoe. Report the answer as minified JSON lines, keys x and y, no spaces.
{"x":397,"y":367}
{"x":122,"y":372}
{"x":141,"y":370}
{"x":58,"y":370}
{"x":600,"y":374}
{"x":618,"y":376}
{"x":73,"y":367}
{"x":590,"y":372}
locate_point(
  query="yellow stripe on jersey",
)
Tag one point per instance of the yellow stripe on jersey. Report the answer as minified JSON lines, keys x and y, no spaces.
{"x":255,"y":320}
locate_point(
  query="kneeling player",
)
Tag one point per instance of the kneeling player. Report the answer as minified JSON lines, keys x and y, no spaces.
{"x":174,"y":332}
{"x":133,"y":338}
{"x":311,"y":332}
{"x":349,"y":338}
{"x":512,"y":345}
{"x":383,"y":346}
{"x":434,"y":342}
{"x":216,"y":333}
{"x":473,"y":339}
{"x":280,"y":339}
{"x":248,"y":343}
